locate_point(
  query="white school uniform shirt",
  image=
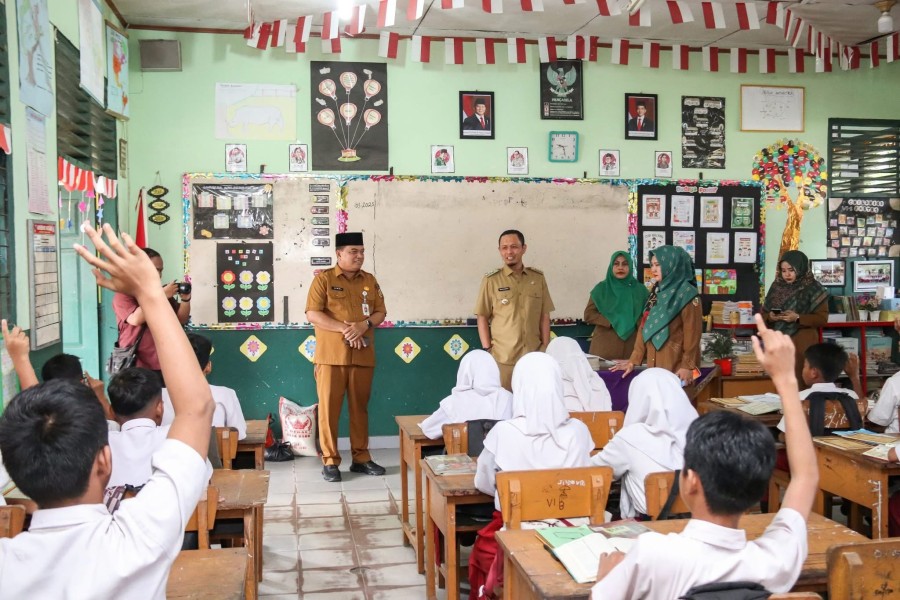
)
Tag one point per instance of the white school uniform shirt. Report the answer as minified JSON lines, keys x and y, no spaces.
{"x":228,"y":411}
{"x":132,"y":449}
{"x":477,"y":395}
{"x":663,"y":567}
{"x":583,"y":390}
{"x":83,"y":552}
{"x":885,"y":410}
{"x":819,"y":387}
{"x":652,"y":437}
{"x":5,"y":481}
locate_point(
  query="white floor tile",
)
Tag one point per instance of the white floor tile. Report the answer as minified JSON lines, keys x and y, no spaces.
{"x":324,"y":559}
{"x":309,"y":511}
{"x":326,"y":541}
{"x":373,"y":495}
{"x":304,"y":497}
{"x":279,"y":583}
{"x":392,"y":555}
{"x":394,"y":575}
{"x":320,"y":580}
{"x":322,"y":525}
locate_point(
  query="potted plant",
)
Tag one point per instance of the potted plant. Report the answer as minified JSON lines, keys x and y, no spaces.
{"x":720,"y":349}
{"x":865,"y":304}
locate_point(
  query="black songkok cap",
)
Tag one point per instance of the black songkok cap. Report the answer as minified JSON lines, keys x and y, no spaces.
{"x":354,"y":238}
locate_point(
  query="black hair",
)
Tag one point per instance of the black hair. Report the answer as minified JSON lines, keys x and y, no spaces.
{"x":514,"y":232}
{"x":733,"y":456}
{"x":480,"y":101}
{"x":132,"y":390}
{"x":50,"y":435}
{"x":829,"y":359}
{"x":62,"y":366}
{"x":202,"y":348}
{"x":151,"y":253}
{"x":640,"y":103}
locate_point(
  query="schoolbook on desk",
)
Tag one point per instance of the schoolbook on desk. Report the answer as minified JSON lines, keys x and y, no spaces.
{"x":451,"y":464}
{"x":581,"y":557}
{"x":868,"y":437}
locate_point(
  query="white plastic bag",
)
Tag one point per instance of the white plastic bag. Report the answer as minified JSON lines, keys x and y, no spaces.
{"x":299,"y":426}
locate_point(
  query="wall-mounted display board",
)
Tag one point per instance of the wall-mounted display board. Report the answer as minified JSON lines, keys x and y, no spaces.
{"x":43,"y":275}
{"x":863,"y":227}
{"x":772,"y":108}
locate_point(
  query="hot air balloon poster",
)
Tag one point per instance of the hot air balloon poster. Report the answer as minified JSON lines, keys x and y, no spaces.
{"x":349,"y":116}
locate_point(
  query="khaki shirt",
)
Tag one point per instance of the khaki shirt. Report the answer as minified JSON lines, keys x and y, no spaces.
{"x":342,"y":298}
{"x":514,"y":304}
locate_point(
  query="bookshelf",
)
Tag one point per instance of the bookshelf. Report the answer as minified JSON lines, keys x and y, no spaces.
{"x":858,"y":329}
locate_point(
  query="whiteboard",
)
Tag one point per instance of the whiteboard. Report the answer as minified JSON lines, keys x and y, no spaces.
{"x":430,"y":242}
{"x":772,"y":108}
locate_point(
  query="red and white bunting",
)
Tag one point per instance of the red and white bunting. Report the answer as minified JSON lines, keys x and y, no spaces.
{"x":301,"y":34}
{"x":253,"y":36}
{"x":767,"y":60}
{"x":748,"y":18}
{"x":738,"y":60}
{"x":357,"y":23}
{"x":713,"y":15}
{"x":104,"y":186}
{"x":810,"y":45}
{"x":620,"y":49}
{"x":330,"y":25}
{"x":450,"y":4}
{"x":823,"y":63}
{"x":680,"y":11}
{"x":484,"y":51}
{"x":681,"y":57}
{"x":420,"y":49}
{"x":495,"y":7}
{"x":776,"y":14}
{"x":850,"y":58}
{"x":331,"y":46}
{"x":279,"y":31}
{"x":710,"y":59}
{"x":73,"y":178}
{"x":609,"y":8}
{"x":453,"y":51}
{"x":893,"y":47}
{"x":532,"y":5}
{"x":387,"y":13}
{"x":576,"y":47}
{"x":842,"y":57}
{"x":388,"y":44}
{"x":571,"y":2}
{"x":515,"y":50}
{"x":639,"y":18}
{"x":265,"y":36}
{"x":874,"y":59}
{"x":796,"y":60}
{"x":415,"y":9}
{"x":547,"y":49}
{"x":791,"y":24}
{"x":592,"y":48}
{"x":289,"y":46}
{"x":651,"y":55}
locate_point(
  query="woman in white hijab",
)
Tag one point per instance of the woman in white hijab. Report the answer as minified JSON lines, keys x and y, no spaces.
{"x":477,"y":395}
{"x":652,"y":437}
{"x":583,"y":389}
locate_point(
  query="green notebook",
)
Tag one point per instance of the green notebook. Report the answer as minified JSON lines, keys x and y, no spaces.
{"x":554,"y":537}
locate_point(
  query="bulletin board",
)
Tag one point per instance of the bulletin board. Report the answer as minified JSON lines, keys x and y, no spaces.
{"x":720,"y":223}
{"x":863,"y":227}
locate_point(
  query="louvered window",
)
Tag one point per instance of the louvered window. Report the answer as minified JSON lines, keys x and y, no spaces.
{"x":7,"y":259}
{"x":864,"y":158}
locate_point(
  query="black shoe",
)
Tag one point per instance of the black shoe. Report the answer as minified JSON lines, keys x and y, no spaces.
{"x":331,"y":473}
{"x":369,"y":468}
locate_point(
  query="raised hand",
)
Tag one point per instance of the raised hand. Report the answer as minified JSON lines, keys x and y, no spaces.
{"x":128,"y":268}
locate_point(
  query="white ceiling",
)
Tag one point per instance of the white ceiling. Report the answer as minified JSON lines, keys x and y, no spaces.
{"x":847,"y":21}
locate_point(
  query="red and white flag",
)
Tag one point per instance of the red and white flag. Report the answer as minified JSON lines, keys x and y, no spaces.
{"x":495,"y":7}
{"x":620,"y":49}
{"x":420,"y":49}
{"x":681,"y":57}
{"x":651,"y":55}
{"x":767,"y":60}
{"x":713,"y":15}
{"x":547,"y":49}
{"x":300,"y":35}
{"x":6,"y":139}
{"x":609,"y":8}
{"x":680,"y":11}
{"x":796,"y":60}
{"x":253,"y":36}
{"x":484,"y":51}
{"x":387,"y":13}
{"x":532,"y":5}
{"x":414,"y":10}
{"x":874,"y":59}
{"x":823,"y":64}
{"x":852,"y":54}
{"x":592,"y":48}
{"x":515,"y":50}
{"x":639,"y":18}
{"x":576,"y":47}
{"x":357,"y":23}
{"x":748,"y":18}
{"x":388,"y":44}
{"x":289,"y":46}
{"x":571,"y":2}
{"x":772,"y":13}
{"x":738,"y":60}
{"x":710,"y":59}
{"x":265,"y":36}
{"x":330,"y":25}
{"x":791,"y":26}
{"x":279,"y":31}
{"x":448,"y":4}
{"x":105,"y":186}
{"x":140,"y":230}
{"x":331,"y":46}
{"x":893,"y":47}
{"x":453,"y":51}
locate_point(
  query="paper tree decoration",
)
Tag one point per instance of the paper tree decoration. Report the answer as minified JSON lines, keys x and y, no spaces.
{"x":342,"y":124}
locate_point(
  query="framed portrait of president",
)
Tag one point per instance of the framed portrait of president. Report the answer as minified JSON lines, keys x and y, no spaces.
{"x":477,"y":112}
{"x":641,"y":117}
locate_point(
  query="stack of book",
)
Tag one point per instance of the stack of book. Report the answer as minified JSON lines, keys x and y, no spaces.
{"x":746,"y":364}
{"x":721,"y":311}
{"x":878,"y":349}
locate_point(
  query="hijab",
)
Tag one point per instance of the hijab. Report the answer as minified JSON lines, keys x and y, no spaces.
{"x":620,"y":300}
{"x":477,"y":393}
{"x":583,"y":390}
{"x":677,"y":287}
{"x":802,"y":296}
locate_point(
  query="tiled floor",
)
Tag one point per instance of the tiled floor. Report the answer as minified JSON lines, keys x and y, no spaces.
{"x":339,"y":541}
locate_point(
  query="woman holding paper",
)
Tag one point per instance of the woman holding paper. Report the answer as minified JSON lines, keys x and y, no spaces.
{"x":614,"y":308}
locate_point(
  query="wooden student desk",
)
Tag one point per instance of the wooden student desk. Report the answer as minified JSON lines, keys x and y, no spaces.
{"x":255,"y":442}
{"x":209,"y":575}
{"x":530,"y":571}
{"x":412,"y":440}
{"x":860,"y":479}
{"x":770,"y":420}
{"x":443,"y":493}
{"x":242,"y":495}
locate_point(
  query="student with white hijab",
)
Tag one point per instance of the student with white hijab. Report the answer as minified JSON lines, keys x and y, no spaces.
{"x":477,"y":395}
{"x":583,"y":390}
{"x":652,"y":437}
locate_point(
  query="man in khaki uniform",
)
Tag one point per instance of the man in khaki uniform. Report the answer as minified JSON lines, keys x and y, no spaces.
{"x":344,"y":305}
{"x":513,"y":308}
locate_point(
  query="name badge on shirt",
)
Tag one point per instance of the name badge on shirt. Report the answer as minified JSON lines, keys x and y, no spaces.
{"x":503,"y":289}
{"x":365,"y":309}
{"x":337,"y":289}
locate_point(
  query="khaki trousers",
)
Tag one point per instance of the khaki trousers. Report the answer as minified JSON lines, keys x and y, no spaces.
{"x":332,"y":382}
{"x":506,"y":372}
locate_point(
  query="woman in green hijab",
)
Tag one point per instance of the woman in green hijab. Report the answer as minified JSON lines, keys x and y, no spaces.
{"x":614,"y":308}
{"x":669,"y":336}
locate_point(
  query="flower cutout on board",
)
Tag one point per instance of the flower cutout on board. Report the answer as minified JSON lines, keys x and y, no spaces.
{"x":407,"y":350}
{"x":253,"y":348}
{"x":246,"y":306}
{"x":263,"y":279}
{"x":246,"y":279}
{"x":264,"y":230}
{"x":228,"y":279}
{"x":308,"y":348}
{"x":228,"y":306}
{"x":263,"y":305}
{"x":456,"y":347}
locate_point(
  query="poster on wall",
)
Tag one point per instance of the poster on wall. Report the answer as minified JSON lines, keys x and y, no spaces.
{"x":116,"y":71}
{"x":561,"y":90}
{"x":349,"y":116}
{"x":43,"y":272}
{"x":702,"y":132}
{"x":92,"y":59}
{"x":35,"y":56}
{"x":863,"y":227}
{"x":232,"y":211}
{"x":245,"y":287}
{"x":256,"y":111}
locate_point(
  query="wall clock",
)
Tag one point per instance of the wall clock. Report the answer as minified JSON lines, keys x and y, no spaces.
{"x":563,"y":146}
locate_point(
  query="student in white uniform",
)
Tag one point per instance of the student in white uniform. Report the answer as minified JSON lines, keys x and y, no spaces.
{"x":54,"y":443}
{"x":884,"y":413}
{"x":583,"y":389}
{"x":228,"y":407}
{"x":652,"y":437}
{"x":728,"y":460}
{"x":477,"y":395}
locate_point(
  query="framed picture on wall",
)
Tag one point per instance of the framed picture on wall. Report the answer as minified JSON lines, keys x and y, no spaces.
{"x":869,"y":274}
{"x":235,"y":158}
{"x":297,"y":154}
{"x":477,"y":114}
{"x":828,"y":272}
{"x":640,"y":117}
{"x":609,"y":163}
{"x":663,"y":162}
{"x":442,"y":159}
{"x":517,"y":160}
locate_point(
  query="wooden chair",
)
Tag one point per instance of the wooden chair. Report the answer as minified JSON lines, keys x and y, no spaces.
{"x":227,"y":443}
{"x":12,"y":521}
{"x":456,"y":438}
{"x":204,"y":517}
{"x":657,"y":487}
{"x":603,"y":425}
{"x":777,"y":484}
{"x":554,"y":494}
{"x":795,"y":596}
{"x":865,"y":570}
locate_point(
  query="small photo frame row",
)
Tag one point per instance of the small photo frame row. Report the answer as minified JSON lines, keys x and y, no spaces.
{"x":442,"y":159}
{"x":868,"y":275}
{"x":236,"y":158}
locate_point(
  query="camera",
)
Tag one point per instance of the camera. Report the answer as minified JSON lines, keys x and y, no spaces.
{"x":184,"y":287}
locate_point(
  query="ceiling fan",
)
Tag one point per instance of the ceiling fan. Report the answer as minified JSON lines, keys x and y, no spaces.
{"x":885,"y":21}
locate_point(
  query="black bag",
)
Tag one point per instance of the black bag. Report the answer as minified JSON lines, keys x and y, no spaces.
{"x":738,"y":590}
{"x":477,"y":430}
{"x":124,"y":358}
{"x":665,"y":513}
{"x":279,"y":452}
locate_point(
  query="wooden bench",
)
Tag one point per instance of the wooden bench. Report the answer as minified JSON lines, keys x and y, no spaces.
{"x":864,"y":570}
{"x":227,"y":444}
